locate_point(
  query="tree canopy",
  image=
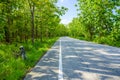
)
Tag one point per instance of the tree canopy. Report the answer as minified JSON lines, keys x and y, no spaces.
{"x":21,"y":20}
{"x":98,"y":20}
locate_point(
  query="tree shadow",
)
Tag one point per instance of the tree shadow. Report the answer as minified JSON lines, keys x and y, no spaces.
{"x":81,"y":60}
{"x":90,"y":59}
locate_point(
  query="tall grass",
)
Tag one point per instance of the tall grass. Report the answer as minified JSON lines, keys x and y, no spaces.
{"x":12,"y":67}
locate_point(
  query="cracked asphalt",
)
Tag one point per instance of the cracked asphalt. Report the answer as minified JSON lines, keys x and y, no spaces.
{"x":81,"y":60}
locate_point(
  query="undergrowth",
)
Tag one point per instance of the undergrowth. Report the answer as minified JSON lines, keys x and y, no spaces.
{"x":12,"y":66}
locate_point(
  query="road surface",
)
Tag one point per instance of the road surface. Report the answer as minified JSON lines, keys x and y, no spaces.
{"x":72,"y":59}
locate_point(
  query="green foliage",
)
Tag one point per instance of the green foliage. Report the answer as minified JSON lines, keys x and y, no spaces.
{"x":98,"y":21}
{"x":12,"y":67}
{"x":21,"y":20}
{"x":31,"y":23}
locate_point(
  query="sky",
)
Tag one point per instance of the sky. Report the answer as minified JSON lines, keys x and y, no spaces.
{"x":72,"y":10}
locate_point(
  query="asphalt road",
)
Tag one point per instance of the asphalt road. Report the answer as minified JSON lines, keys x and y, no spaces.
{"x":72,"y":59}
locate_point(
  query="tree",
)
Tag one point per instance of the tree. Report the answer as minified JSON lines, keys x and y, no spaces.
{"x":21,"y":20}
{"x":98,"y":20}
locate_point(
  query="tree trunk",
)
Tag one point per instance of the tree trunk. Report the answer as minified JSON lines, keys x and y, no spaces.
{"x":7,"y":34}
{"x":36,"y":32}
{"x":6,"y":28}
{"x":41,"y":34}
{"x":32,"y":21}
{"x":41,"y":31}
{"x":32,"y":9}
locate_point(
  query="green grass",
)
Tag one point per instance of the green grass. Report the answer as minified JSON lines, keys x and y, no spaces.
{"x":12,"y":67}
{"x":108,"y":40}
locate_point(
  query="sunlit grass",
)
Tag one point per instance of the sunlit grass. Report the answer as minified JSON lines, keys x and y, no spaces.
{"x":12,"y":67}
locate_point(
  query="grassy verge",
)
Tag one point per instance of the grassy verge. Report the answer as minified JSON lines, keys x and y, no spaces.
{"x":103,"y":40}
{"x":12,"y":67}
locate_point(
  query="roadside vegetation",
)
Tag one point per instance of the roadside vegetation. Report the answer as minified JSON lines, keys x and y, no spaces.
{"x":12,"y":66}
{"x":98,"y":21}
{"x":33,"y":24}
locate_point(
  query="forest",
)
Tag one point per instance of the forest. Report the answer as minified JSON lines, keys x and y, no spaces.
{"x":21,"y":20}
{"x":35,"y":24}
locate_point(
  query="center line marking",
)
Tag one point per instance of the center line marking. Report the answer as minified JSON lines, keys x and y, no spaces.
{"x":60,"y":76}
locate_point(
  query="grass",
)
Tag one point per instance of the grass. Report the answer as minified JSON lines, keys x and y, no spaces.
{"x":12,"y":67}
{"x":103,"y":40}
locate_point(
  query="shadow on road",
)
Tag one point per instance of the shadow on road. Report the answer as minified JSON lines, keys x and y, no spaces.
{"x":89,"y":61}
{"x":81,"y":60}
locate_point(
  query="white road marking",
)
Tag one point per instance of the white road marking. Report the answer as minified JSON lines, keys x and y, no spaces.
{"x":60,"y":76}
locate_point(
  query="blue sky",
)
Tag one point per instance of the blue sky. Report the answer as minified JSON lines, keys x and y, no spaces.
{"x":71,"y":13}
